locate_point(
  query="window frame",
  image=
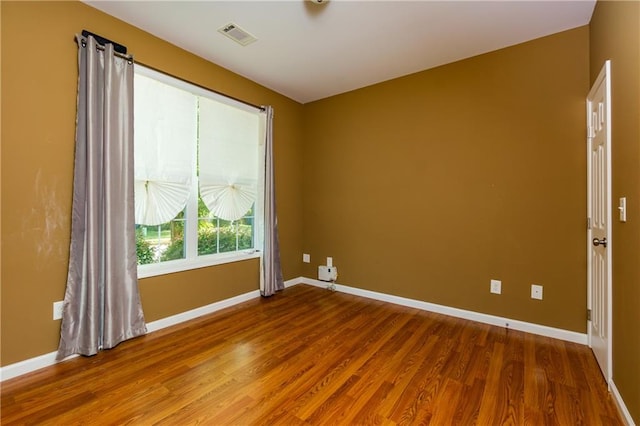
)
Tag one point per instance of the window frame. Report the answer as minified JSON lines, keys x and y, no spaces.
{"x":192,"y":260}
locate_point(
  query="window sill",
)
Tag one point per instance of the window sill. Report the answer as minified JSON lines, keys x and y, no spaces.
{"x":173,"y":266}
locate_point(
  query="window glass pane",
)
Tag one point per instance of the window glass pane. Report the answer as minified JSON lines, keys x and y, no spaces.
{"x":207,"y":230}
{"x":160,"y":243}
{"x":216,"y":235}
{"x":227,"y":236}
{"x":246,"y":231}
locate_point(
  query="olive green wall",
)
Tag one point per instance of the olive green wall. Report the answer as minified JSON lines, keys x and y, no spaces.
{"x":39,"y":79}
{"x":430,"y":185}
{"x":615,"y":35}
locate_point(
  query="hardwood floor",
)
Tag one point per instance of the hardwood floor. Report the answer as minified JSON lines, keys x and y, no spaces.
{"x":310,"y":356}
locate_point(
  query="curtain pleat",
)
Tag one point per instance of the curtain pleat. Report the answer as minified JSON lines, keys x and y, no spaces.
{"x":271,"y":279}
{"x":102,"y":304}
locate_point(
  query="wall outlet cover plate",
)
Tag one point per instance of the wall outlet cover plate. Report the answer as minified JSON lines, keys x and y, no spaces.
{"x":57,"y":310}
{"x":496,"y":287}
{"x":536,"y":291}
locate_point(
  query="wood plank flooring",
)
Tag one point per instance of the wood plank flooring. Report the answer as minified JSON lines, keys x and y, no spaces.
{"x":311,"y":356}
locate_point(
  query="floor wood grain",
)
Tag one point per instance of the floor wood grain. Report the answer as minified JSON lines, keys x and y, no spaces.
{"x":311,"y":356}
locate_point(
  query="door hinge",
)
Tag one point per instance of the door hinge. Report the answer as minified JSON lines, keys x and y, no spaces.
{"x":588,"y":314}
{"x":588,"y":223}
{"x":590,"y":132}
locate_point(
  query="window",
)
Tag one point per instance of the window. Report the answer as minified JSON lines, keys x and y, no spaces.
{"x":197,"y":182}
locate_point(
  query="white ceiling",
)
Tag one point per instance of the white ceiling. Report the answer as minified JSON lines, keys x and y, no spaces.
{"x":308,"y":51}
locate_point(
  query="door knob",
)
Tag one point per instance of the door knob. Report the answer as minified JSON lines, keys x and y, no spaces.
{"x":602,"y":242}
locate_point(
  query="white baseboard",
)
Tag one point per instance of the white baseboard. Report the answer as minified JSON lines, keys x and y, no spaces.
{"x":622,"y":408}
{"x":294,"y":281}
{"x":30,"y":365}
{"x":46,"y":360}
{"x":543,"y":330}
{"x":198,"y":312}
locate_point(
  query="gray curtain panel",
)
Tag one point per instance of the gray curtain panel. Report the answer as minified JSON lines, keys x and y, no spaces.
{"x":271,"y":272}
{"x":102,"y":304}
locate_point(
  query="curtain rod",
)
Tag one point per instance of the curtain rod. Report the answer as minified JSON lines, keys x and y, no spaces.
{"x":118,"y":49}
{"x":258,"y":107}
{"x":121,"y":51}
{"x":129,"y":58}
{"x":102,"y":41}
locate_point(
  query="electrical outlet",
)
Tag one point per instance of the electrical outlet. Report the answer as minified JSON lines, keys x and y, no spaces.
{"x":306,"y":258}
{"x":57,"y":310}
{"x":496,"y":286}
{"x":536,"y":291}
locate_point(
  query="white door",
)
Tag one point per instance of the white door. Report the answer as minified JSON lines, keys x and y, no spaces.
{"x":599,"y":211}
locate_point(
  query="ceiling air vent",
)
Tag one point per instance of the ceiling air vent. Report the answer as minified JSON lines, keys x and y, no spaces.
{"x":237,"y":34}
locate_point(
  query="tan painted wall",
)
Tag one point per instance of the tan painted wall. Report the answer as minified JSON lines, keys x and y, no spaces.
{"x":430,"y":185}
{"x":39,"y":78}
{"x":426,"y":186}
{"x":615,"y":35}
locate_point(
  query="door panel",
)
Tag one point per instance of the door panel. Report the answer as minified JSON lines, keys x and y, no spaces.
{"x":599,"y":210}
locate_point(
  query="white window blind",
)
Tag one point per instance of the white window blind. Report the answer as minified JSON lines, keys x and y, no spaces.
{"x":228,"y":158}
{"x":165,"y":126}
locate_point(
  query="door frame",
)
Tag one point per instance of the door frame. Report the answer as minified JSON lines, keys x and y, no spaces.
{"x":604,"y":77}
